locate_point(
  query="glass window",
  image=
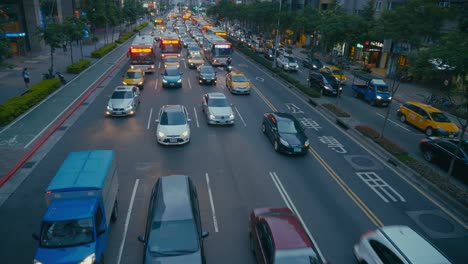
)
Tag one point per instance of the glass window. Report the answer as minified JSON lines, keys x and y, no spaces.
{"x":384,"y":253}
{"x":67,"y":233}
{"x":299,"y":256}
{"x":382,"y":88}
{"x":288,"y":126}
{"x":440,"y":117}
{"x":172,"y":59}
{"x":239,"y":78}
{"x":98,"y":217}
{"x":207,"y":70}
{"x":218,"y":103}
{"x":168,"y":238}
{"x":122,"y":95}
{"x":133,"y":75}
{"x":449,"y":146}
{"x":172,"y":71}
{"x":173,"y":119}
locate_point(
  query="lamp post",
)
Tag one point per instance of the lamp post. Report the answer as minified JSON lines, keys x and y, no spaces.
{"x":277,"y":36}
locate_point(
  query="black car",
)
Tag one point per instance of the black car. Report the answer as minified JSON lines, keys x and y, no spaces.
{"x":312,"y":63}
{"x":269,"y":54}
{"x":173,"y":227}
{"x":285,"y":132}
{"x":441,"y":150}
{"x":320,"y":82}
{"x":206,"y":74}
{"x":333,"y":81}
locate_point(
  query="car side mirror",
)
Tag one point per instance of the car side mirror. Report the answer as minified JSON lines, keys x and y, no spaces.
{"x":35,"y":236}
{"x":157,"y":120}
{"x":102,"y":231}
{"x":205,"y":234}
{"x":188,"y":119}
{"x":141,"y":239}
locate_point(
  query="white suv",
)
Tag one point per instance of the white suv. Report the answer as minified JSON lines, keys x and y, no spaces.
{"x":396,"y":244}
{"x":173,"y":127}
{"x":287,"y":63}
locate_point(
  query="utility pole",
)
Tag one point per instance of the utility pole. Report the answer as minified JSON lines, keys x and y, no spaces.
{"x":277,"y":37}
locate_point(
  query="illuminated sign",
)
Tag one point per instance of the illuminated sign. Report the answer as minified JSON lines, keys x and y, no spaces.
{"x":221,"y":34}
{"x":223,"y":46}
{"x":140,"y":50}
{"x":170,"y":41}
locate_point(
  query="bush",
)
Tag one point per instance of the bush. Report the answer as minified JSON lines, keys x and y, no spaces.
{"x":99,"y":53}
{"x":337,"y":111}
{"x":18,"y":105}
{"x":78,"y":67}
{"x":124,"y":37}
{"x":140,"y":27}
{"x":422,"y":169}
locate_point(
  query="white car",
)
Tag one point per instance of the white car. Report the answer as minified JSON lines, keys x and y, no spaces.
{"x":287,"y":63}
{"x":173,"y":127}
{"x":396,"y":244}
{"x":217,"y":109}
{"x":124,"y":101}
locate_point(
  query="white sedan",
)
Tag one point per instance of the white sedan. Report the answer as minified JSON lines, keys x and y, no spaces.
{"x":173,"y":127}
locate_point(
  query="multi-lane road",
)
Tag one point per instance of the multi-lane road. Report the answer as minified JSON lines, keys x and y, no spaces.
{"x":340,"y":189}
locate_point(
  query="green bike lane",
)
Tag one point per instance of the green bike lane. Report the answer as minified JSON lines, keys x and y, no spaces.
{"x":24,"y":135}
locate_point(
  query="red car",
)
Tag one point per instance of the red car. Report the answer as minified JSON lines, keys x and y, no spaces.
{"x":277,"y":236}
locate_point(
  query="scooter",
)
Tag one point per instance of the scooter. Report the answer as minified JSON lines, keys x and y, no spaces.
{"x":228,"y":68}
{"x":61,"y":77}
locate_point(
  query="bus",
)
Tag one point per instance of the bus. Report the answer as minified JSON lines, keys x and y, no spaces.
{"x":142,"y":53}
{"x":159,"y":22}
{"x":203,"y":26}
{"x":217,"y":50}
{"x":170,"y":44}
{"x":216,"y":31}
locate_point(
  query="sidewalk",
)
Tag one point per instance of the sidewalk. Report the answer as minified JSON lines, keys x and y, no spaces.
{"x":11,"y":80}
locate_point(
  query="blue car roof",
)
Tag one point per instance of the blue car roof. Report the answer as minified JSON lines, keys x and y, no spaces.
{"x":60,"y":210}
{"x":82,"y":170}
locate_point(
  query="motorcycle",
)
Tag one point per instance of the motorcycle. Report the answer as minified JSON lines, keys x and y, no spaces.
{"x":48,"y":75}
{"x":228,"y":68}
{"x":406,"y":78}
{"x":61,"y":78}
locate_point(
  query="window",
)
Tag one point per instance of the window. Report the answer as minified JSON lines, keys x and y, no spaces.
{"x":384,"y":253}
{"x":98,"y":217}
{"x":378,"y":6}
{"x":389,"y":5}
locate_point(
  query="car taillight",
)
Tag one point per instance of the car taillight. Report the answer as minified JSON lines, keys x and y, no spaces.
{"x":368,"y":233}
{"x":423,"y":140}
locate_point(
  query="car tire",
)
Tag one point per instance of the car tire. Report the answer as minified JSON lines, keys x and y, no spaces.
{"x":428,"y":155}
{"x":402,"y":118}
{"x":263,"y":128}
{"x":429,"y":131}
{"x":276,"y":146}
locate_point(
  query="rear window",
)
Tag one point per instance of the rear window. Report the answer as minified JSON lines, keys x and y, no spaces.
{"x":168,"y":238}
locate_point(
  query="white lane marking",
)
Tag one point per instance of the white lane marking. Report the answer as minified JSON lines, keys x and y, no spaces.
{"x":378,"y":185}
{"x":189,"y":83}
{"x":294,"y":108}
{"x":127,"y":220}
{"x":242,"y":119}
{"x":156,"y":84}
{"x":149,"y":119}
{"x":396,"y":124}
{"x":196,"y":116}
{"x":259,"y":79}
{"x":291,"y":206}
{"x":159,"y":64}
{"x":215,"y":222}
{"x":185,"y":65}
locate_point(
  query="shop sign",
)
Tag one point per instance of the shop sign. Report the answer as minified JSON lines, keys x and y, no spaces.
{"x":13,"y":34}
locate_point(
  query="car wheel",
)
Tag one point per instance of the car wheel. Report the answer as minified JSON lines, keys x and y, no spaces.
{"x":429,"y":131}
{"x":263,"y":128}
{"x":428,"y":155}
{"x":276,"y":146}
{"x":402,"y":118}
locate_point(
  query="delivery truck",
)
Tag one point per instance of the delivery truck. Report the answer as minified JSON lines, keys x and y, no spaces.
{"x":81,"y":203}
{"x":372,"y":90}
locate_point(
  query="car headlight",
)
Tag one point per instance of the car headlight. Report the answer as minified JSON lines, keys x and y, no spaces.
{"x":212,"y":116}
{"x":327,"y":87}
{"x":378,"y":97}
{"x":140,"y":83}
{"x":179,"y":81}
{"x":109,"y":106}
{"x":184,"y":134}
{"x":231,"y":116}
{"x":129,"y":106}
{"x":284,"y":142}
{"x":306,"y":144}
{"x":124,"y":83}
{"x":337,"y":79}
{"x":89,"y":259}
{"x":164,"y":81}
{"x":390,"y":98}
{"x":37,"y":262}
{"x":161,"y":134}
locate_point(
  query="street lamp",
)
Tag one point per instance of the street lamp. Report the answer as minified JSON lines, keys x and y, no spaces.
{"x":277,"y":36}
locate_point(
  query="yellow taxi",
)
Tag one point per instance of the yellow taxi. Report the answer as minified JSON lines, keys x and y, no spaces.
{"x":194,"y":61}
{"x":134,"y":76}
{"x":171,"y":61}
{"x":335,"y":71}
{"x":427,"y":118}
{"x":237,"y":83}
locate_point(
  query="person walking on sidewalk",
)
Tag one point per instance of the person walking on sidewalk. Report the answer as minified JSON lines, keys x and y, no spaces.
{"x":26,"y":77}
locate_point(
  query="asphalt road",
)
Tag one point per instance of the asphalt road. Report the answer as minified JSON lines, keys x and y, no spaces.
{"x":340,"y":189}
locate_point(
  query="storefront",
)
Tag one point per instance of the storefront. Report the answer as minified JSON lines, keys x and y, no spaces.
{"x":372,"y":51}
{"x":12,"y":27}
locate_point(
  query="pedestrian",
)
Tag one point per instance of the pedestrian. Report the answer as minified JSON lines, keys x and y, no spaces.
{"x":64,"y":47}
{"x":26,"y":77}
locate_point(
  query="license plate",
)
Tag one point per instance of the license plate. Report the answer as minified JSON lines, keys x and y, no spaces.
{"x":171,"y":84}
{"x":451,"y":136}
{"x":118,"y":113}
{"x":173,"y":140}
{"x":297,"y":149}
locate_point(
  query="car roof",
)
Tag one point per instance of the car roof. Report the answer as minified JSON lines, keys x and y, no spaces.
{"x":173,"y":199}
{"x":413,"y":246}
{"x":283,"y":115}
{"x":216,"y":95}
{"x":124,"y":88}
{"x":286,"y":229}
{"x":173,"y":108}
{"x":427,"y":107}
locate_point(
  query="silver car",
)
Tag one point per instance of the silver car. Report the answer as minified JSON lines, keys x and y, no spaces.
{"x":217,"y":109}
{"x":173,"y":127}
{"x":396,"y":244}
{"x":124,"y":101}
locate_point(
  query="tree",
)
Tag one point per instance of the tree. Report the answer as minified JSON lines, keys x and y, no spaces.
{"x":5,"y":50}
{"x":53,"y":35}
{"x":73,"y":31}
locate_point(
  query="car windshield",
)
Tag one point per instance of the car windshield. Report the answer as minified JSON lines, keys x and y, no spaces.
{"x":122,"y":95}
{"x":218,"y":103}
{"x":173,"y":119}
{"x":302,"y":255}
{"x":67,"y":233}
{"x":198,"y":57}
{"x":133,"y":75}
{"x":287,"y":126}
{"x":177,"y":237}
{"x":382,"y":88}
{"x":194,"y":49}
{"x":207,"y":70}
{"x":239,"y":78}
{"x":172,"y":72}
{"x":337,"y":72}
{"x":172,"y":59}
{"x":440,"y":117}
{"x":290,"y":59}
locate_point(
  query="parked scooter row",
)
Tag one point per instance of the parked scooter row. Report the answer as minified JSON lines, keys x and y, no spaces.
{"x":50,"y":75}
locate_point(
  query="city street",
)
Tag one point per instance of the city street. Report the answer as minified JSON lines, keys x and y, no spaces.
{"x":340,"y":189}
